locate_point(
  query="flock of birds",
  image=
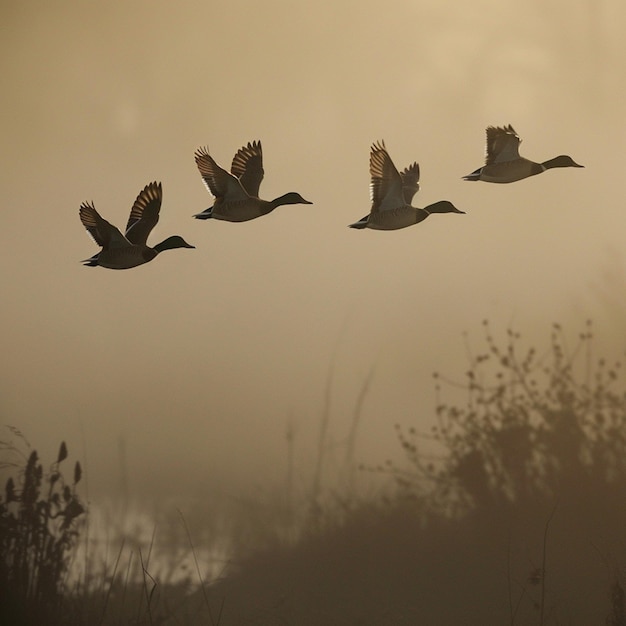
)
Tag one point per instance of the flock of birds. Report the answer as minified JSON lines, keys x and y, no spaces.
{"x":237,"y":199}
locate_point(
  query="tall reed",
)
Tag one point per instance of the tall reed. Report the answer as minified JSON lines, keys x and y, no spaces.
{"x":40,"y":516}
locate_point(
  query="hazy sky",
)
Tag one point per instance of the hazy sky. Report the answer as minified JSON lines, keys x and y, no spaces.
{"x":199,"y":359}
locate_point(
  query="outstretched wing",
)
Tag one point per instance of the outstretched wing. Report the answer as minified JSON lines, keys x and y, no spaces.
{"x":104,"y":234}
{"x":502,"y":144}
{"x":247,"y":166}
{"x":219,"y":182}
{"x":410,"y":181}
{"x":386,"y":183}
{"x":145,"y":213}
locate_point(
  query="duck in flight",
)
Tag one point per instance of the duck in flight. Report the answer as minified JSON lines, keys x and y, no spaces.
{"x":503,"y":163}
{"x":237,"y":192}
{"x":120,"y":252}
{"x":391,"y":194}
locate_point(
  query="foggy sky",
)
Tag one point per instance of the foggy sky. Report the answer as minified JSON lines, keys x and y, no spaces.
{"x":200,"y":359}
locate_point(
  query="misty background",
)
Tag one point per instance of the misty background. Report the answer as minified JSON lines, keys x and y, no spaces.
{"x":186,"y":375}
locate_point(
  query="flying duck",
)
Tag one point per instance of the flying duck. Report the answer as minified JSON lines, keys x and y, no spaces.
{"x":391,"y":194}
{"x":503,"y":164}
{"x":237,"y":192}
{"x":120,"y":252}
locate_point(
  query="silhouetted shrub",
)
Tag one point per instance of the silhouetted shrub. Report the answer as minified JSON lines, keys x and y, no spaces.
{"x":39,"y":516}
{"x":531,"y":427}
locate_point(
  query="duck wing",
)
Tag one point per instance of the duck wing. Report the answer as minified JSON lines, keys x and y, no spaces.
{"x":410,"y":181}
{"x":219,"y":182}
{"x":247,"y":166}
{"x":103,"y":233}
{"x":145,"y":214}
{"x":386,"y":183}
{"x":502,"y":144}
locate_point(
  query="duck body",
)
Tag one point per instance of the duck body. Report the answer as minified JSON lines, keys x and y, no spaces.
{"x":402,"y":217}
{"x":126,"y":251}
{"x":394,"y":219}
{"x":250,"y":208}
{"x":392,"y":193}
{"x":507,"y":172}
{"x":127,"y":257}
{"x":237,"y":192}
{"x":233,"y":211}
{"x":503,"y":163}
{"x":123,"y":258}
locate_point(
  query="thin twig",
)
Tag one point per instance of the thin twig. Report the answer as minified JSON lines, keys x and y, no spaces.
{"x":195,"y":560}
{"x":145,"y":586}
{"x":543,"y":564}
{"x":108,"y":594}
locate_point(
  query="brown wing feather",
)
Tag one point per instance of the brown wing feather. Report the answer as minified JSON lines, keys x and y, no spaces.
{"x":247,"y":166}
{"x":502,"y":144}
{"x":145,"y":213}
{"x":218,"y":181}
{"x":385,"y":178}
{"x":102,"y":232}
{"x":410,"y":181}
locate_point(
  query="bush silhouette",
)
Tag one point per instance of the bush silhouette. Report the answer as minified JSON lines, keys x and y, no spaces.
{"x":39,"y":516}
{"x":531,"y":427}
{"x":535,"y":436}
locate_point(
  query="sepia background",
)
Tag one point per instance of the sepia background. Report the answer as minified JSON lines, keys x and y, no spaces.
{"x":189,"y":374}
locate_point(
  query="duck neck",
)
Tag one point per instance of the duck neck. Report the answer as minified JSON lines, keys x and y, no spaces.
{"x":280,"y":201}
{"x":170,"y":244}
{"x":560,"y":161}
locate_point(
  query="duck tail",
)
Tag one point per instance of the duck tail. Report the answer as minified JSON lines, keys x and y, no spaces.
{"x":205,"y":215}
{"x":362,"y":223}
{"x":474,"y":175}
